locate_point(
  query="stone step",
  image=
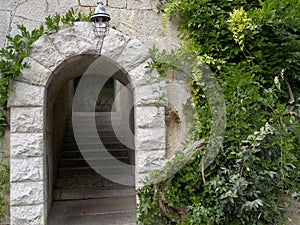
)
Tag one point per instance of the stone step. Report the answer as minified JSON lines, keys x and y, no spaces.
{"x":89,"y":128}
{"x":110,"y":211}
{"x":92,"y":181}
{"x":70,"y":133}
{"x":97,"y":121}
{"x":64,"y":172}
{"x":91,"y":139}
{"x":91,"y":146}
{"x":89,"y":116}
{"x":77,"y":154}
{"x":93,"y":193}
{"x":81,"y":162}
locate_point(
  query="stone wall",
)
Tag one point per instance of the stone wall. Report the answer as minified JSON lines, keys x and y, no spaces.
{"x":139,"y":18}
{"x":135,"y":18}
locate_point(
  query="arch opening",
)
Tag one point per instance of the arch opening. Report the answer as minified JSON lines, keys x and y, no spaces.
{"x":71,"y":180}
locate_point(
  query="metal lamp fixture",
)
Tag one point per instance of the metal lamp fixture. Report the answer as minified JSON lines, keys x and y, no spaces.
{"x":100,"y":19}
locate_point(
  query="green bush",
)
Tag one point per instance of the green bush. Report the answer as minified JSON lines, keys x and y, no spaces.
{"x":252,"y":47}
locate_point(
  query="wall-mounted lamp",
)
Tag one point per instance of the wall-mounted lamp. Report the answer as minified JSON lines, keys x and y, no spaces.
{"x":100,"y":19}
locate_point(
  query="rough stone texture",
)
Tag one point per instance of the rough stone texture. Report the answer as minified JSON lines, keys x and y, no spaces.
{"x":27,"y":215}
{"x":35,"y":74}
{"x":24,"y":170}
{"x":150,"y":138}
{"x":117,"y":4}
{"x":26,"y":120}
{"x":139,"y":4}
{"x":32,"y":193}
{"x":141,"y":75}
{"x":134,"y":54}
{"x":146,"y":26}
{"x":150,"y":117}
{"x":44,"y":52}
{"x":149,"y":160}
{"x":4,"y":25}
{"x":78,"y":39}
{"x":26,"y":95}
{"x":26,"y":145}
{"x":61,"y":6}
{"x":87,"y":2}
{"x":115,"y":48}
{"x":38,"y":14}
{"x":150,"y":95}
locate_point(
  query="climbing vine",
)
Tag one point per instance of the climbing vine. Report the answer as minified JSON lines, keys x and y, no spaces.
{"x":12,"y":62}
{"x":252,"y":47}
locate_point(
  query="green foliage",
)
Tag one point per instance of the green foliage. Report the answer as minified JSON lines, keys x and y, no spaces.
{"x":253,"y":49}
{"x":4,"y":181}
{"x":57,"y":22}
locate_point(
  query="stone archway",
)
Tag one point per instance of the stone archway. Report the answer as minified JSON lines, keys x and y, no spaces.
{"x":62,"y":51}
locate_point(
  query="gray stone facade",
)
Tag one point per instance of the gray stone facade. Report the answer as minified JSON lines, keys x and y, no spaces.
{"x":137,"y":26}
{"x":132,"y":17}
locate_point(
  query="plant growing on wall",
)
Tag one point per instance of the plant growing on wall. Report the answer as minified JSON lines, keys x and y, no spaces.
{"x":4,"y":180}
{"x":12,"y":62}
{"x":253,"y":49}
{"x":18,"y":48}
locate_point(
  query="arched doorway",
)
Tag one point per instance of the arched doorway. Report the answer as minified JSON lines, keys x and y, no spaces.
{"x":78,"y":191}
{"x":54,"y":61}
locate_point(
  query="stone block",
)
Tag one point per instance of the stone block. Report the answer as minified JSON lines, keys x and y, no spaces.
{"x":44,"y":52}
{"x":150,"y":117}
{"x":147,"y":25}
{"x":35,"y":74}
{"x":141,"y":75}
{"x":27,"y":169}
{"x":148,"y":161}
{"x":121,"y":4}
{"x":26,"y":193}
{"x":113,"y":49}
{"x":4,"y":25}
{"x":25,"y":10}
{"x":25,"y":215}
{"x":139,"y":4}
{"x":178,"y":95}
{"x":150,"y":95}
{"x":27,"y":119}
{"x":150,"y":139}
{"x":61,"y":6}
{"x":26,"y":95}
{"x":26,"y":145}
{"x":133,"y":54}
{"x":88,"y":2}
{"x":75,"y":40}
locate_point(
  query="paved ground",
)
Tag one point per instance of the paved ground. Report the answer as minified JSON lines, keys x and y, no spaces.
{"x":294,"y":215}
{"x":110,"y":211}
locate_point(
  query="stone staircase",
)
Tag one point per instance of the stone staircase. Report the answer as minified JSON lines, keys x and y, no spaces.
{"x":81,"y":195}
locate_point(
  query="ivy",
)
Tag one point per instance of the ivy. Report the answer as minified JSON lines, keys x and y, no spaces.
{"x":253,"y":49}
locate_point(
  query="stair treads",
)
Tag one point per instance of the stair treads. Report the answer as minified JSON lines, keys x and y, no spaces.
{"x":110,"y":211}
{"x":94,"y":193}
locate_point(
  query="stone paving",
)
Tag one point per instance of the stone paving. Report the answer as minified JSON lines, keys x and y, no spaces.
{"x":109,"y":211}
